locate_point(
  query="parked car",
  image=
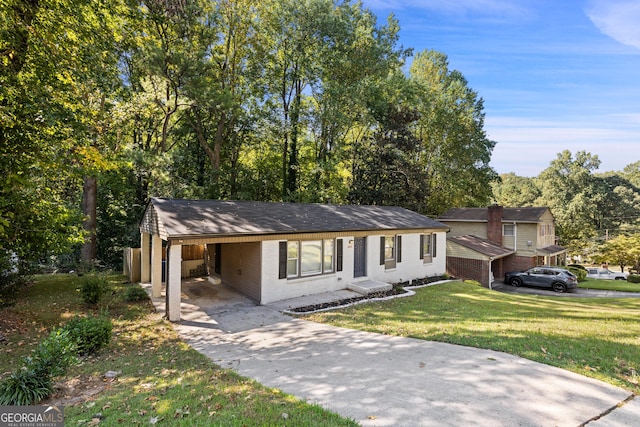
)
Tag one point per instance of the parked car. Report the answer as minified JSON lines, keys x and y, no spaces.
{"x":604,"y":273}
{"x":558,"y":279}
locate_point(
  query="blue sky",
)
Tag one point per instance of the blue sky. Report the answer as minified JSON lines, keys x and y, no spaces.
{"x":554,"y":74}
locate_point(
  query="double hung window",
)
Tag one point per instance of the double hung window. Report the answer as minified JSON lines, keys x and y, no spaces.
{"x":308,"y":257}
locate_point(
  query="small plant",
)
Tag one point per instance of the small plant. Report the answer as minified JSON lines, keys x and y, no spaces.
{"x":633,"y":278}
{"x":135,"y":293}
{"x":53,"y":355}
{"x":32,"y":381}
{"x":24,"y":387}
{"x":89,"y":333}
{"x":93,"y":288}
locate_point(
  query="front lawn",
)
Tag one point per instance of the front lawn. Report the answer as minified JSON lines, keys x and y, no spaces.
{"x":597,"y":337}
{"x":610,"y":285}
{"x":158,"y":378}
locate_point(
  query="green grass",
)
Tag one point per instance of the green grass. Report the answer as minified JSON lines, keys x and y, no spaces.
{"x":161,"y":380}
{"x":597,"y":337}
{"x":610,"y":285}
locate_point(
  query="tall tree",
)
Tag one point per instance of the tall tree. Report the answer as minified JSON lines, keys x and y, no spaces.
{"x":569,"y":188}
{"x":515,"y":191}
{"x":455,"y":152}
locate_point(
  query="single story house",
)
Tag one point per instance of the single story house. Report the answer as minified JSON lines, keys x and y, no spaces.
{"x":275,"y":251}
{"x":485,"y":243}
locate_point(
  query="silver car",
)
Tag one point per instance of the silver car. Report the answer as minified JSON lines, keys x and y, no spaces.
{"x":604,"y":273}
{"x":558,"y":279}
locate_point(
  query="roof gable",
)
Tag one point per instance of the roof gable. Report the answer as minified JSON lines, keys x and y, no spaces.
{"x":524,"y":214}
{"x":189,"y":218}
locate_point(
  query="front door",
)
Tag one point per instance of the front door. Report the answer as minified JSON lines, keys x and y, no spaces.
{"x":359,"y":257}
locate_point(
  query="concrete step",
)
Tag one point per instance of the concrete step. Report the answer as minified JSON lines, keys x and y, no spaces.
{"x":367,"y":287}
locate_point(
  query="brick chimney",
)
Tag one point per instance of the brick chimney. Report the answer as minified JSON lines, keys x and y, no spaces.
{"x":494,"y":224}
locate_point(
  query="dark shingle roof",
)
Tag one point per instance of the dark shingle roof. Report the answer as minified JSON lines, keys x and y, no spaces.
{"x":526,"y":214}
{"x":190,"y":218}
{"x":483,"y":246}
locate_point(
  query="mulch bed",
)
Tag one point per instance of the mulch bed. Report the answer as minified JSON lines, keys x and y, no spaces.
{"x":398,"y":289}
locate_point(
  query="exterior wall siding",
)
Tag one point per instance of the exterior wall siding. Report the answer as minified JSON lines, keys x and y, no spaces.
{"x":241,"y":268}
{"x":478,"y":229}
{"x":409,"y":268}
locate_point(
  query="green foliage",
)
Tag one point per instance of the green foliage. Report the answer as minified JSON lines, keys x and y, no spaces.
{"x":89,"y":333}
{"x":633,"y":278}
{"x":135,"y":293}
{"x":24,"y":387}
{"x":54,"y":354}
{"x":93,"y":288}
{"x":32,"y":381}
{"x":579,"y":272}
{"x":11,"y":284}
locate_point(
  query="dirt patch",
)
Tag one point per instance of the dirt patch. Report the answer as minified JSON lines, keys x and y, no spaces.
{"x":76,"y":390}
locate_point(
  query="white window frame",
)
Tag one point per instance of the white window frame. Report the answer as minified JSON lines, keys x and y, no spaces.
{"x":327,"y":259}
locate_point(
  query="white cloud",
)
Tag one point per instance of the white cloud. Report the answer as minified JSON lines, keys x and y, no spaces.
{"x":618,"y":19}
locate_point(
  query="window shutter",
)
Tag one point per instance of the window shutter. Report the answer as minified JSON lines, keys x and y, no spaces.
{"x":339,"y":255}
{"x":382,"y":250}
{"x":399,"y":249}
{"x":433,"y":245}
{"x":282,"y":260}
{"x":421,"y":248}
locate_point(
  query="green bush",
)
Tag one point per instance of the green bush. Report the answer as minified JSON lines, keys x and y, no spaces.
{"x":633,"y":278}
{"x":93,"y":288}
{"x":135,"y":293}
{"x":53,"y":355}
{"x":24,"y":387}
{"x":10,"y":286}
{"x":579,"y":272}
{"x":32,"y":381}
{"x":89,"y":333}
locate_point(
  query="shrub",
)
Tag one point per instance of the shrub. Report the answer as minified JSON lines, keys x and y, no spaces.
{"x":24,"y":387}
{"x":580,"y":273}
{"x":32,"y":382}
{"x":53,"y":355}
{"x":10,"y":286}
{"x":135,"y":293}
{"x":89,"y":333}
{"x":633,"y":278}
{"x":93,"y":288}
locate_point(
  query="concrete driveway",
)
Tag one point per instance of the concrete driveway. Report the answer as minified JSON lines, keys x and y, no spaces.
{"x":579,"y":292}
{"x":379,"y":380}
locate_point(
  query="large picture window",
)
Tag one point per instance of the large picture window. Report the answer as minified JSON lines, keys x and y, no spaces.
{"x":310,"y":258}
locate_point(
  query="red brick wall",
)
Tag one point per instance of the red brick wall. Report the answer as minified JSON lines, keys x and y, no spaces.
{"x":517,"y":263}
{"x":469,"y":269}
{"x":494,"y":224}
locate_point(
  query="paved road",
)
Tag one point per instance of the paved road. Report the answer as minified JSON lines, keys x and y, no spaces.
{"x":379,"y":380}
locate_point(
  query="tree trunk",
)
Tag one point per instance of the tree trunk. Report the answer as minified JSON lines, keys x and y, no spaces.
{"x":88,"y":252}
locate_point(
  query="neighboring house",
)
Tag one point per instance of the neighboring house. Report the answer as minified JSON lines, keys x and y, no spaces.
{"x":488,"y":242}
{"x":276,"y":251}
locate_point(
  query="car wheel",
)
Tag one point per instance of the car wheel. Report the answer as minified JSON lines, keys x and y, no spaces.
{"x":516,"y":282}
{"x":620,"y":278}
{"x":559,"y":287}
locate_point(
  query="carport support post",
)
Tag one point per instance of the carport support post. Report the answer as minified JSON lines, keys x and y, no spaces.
{"x":156,"y":266}
{"x":145,"y":263}
{"x":174,"y":255}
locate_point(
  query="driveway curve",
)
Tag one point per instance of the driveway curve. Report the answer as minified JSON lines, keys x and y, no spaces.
{"x":380,"y":380}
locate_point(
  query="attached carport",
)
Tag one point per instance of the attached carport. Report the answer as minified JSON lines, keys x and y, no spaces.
{"x":475,"y":258}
